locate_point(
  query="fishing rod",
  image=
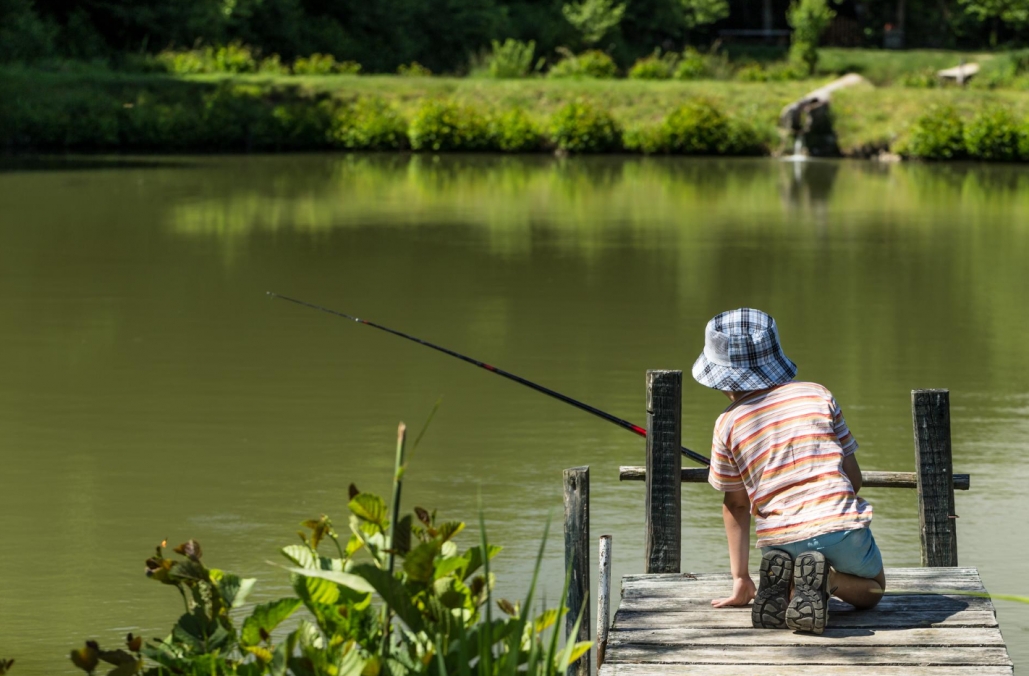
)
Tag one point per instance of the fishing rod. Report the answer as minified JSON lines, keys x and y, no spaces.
{"x":625,"y":424}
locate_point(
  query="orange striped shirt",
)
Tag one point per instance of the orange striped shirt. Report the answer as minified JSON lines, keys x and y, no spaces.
{"x":786,"y":446}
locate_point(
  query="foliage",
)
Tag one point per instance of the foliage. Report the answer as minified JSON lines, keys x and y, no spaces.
{"x":700,"y":128}
{"x":24,"y":35}
{"x":435,"y":617}
{"x":369,"y":124}
{"x":324,"y":64}
{"x":592,"y":19}
{"x":234,"y":57}
{"x":590,"y":64}
{"x":923,"y":79}
{"x":774,"y":72}
{"x":413,"y":69}
{"x":936,"y":135}
{"x":445,"y":126}
{"x":809,"y":19}
{"x":511,"y":59}
{"x":1012,"y":12}
{"x":657,"y":66}
{"x":514,"y":131}
{"x":5,"y":666}
{"x":702,"y":12}
{"x":581,"y":127}
{"x":694,"y":65}
{"x":993,"y":134}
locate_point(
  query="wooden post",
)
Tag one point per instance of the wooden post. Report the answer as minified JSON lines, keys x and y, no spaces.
{"x":664,"y":469}
{"x":603,"y":598}
{"x":577,"y":560}
{"x":934,"y":466}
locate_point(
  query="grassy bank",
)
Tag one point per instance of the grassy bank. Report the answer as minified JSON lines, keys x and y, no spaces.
{"x":109,"y":111}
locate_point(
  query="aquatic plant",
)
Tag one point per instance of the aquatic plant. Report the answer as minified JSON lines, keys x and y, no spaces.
{"x":936,"y":135}
{"x":434,"y":615}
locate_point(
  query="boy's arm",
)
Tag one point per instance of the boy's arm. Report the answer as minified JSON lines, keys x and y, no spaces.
{"x":853,"y":471}
{"x":736,"y":515}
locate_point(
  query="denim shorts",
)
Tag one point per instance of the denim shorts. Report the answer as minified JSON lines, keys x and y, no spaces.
{"x":848,"y":551}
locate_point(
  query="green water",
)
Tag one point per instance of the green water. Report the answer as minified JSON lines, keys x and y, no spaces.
{"x":149,"y":389}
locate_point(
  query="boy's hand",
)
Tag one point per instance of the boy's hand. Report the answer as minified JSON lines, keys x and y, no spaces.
{"x":743,"y":591}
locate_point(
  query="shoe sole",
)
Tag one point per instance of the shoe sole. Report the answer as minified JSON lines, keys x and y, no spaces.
{"x":773,"y":595}
{"x":808,"y":610}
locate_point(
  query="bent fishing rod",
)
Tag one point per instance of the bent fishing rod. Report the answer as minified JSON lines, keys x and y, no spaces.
{"x":625,"y":424}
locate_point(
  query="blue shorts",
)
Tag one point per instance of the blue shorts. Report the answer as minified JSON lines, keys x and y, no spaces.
{"x":848,"y":551}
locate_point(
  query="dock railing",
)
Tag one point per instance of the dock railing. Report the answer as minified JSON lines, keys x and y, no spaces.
{"x":664,"y":475}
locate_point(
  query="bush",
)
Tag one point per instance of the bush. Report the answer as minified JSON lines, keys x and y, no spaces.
{"x":590,"y":64}
{"x":581,"y":127}
{"x":24,"y":36}
{"x":511,"y":59}
{"x":809,"y":19}
{"x":695,"y":128}
{"x":781,"y":71}
{"x":413,"y":69}
{"x":994,"y":135}
{"x":936,"y":135}
{"x":324,"y":64}
{"x":515,"y":132}
{"x":653,"y":67}
{"x":693,"y":65}
{"x":921,"y":79}
{"x":370,"y":124}
{"x":234,"y":57}
{"x":441,"y":126}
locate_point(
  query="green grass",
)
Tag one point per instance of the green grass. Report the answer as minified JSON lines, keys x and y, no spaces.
{"x":882,"y":66}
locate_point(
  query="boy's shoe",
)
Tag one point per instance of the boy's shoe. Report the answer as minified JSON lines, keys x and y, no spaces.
{"x":809,"y":608}
{"x":773,"y":592}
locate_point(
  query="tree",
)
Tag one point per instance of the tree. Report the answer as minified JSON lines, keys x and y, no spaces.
{"x":809,"y":19}
{"x":1012,"y":12}
{"x":702,"y":12}
{"x":593,"y":18}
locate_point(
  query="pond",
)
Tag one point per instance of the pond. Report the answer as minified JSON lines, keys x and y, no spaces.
{"x":149,"y":389}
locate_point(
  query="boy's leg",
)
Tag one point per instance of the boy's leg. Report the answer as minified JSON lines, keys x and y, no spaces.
{"x":861,"y":592}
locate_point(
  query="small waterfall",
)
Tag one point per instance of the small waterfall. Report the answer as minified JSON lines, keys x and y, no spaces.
{"x":798,"y":146}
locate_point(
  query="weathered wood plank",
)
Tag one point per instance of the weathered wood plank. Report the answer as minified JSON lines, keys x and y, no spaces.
{"x":890,"y":603}
{"x":809,"y":655}
{"x":951,"y":585}
{"x":663,"y":531}
{"x":603,"y":600}
{"x":619,"y":669}
{"x":870,"y":479}
{"x":749,"y":636}
{"x":930,"y":410}
{"x":736,"y":618}
{"x":919,"y":572}
{"x":577,"y":559}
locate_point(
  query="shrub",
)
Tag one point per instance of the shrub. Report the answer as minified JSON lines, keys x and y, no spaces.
{"x":993,"y":134}
{"x":590,"y":64}
{"x":511,"y":59}
{"x":581,"y":127}
{"x":774,"y":72}
{"x":324,"y":64}
{"x":234,"y":57}
{"x":369,"y":124}
{"x":24,"y":36}
{"x":921,"y":79}
{"x":303,"y":124}
{"x":693,"y":65}
{"x":413,"y":69}
{"x":936,"y":135}
{"x":809,"y":19}
{"x":514,"y":131}
{"x":273,"y":65}
{"x":695,"y":128}
{"x":654,"y":67}
{"x":441,"y":126}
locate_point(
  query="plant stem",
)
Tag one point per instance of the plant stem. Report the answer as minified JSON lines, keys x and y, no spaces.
{"x":394,"y":516}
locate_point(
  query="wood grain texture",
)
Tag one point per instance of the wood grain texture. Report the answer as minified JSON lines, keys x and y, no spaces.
{"x":663,"y":531}
{"x":577,"y":559}
{"x":930,"y":411}
{"x":666,"y":625}
{"x":604,"y":596}
{"x":870,"y":479}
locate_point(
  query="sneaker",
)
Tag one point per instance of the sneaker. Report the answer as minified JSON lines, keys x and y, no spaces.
{"x":773,"y":592}
{"x":809,"y":608}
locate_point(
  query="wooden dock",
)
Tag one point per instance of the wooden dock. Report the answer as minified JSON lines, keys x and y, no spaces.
{"x":930,"y":622}
{"x":936,"y":619}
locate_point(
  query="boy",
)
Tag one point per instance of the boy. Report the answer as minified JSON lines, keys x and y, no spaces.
{"x":782,"y":452}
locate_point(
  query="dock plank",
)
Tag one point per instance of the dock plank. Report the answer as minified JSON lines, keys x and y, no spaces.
{"x":932,"y":620}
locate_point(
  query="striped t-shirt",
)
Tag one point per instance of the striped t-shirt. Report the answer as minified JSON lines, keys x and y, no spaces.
{"x":786,"y":446}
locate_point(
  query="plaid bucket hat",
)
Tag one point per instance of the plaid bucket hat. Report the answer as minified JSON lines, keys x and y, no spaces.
{"x":742,"y":352}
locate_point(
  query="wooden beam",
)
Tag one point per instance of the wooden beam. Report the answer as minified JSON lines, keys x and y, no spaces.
{"x":698,"y":475}
{"x":663,"y":531}
{"x":930,"y":411}
{"x":603,"y":598}
{"x":577,"y":560}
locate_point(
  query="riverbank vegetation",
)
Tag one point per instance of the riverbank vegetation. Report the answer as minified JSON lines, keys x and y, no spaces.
{"x":397,"y":596}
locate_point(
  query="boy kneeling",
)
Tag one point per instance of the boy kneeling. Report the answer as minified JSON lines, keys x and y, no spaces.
{"x":782,"y":452}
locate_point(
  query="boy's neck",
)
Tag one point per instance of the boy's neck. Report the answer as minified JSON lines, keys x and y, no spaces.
{"x":736,"y":396}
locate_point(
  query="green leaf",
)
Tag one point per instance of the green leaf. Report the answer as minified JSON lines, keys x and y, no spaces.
{"x":420,"y":563}
{"x":265,"y":618}
{"x":233,"y":588}
{"x":475,"y":558}
{"x":355,"y":582}
{"x":402,"y":536}
{"x":369,"y":507}
{"x":393,"y":592}
{"x":200,"y":633}
{"x":449,"y":529}
{"x":301,"y":555}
